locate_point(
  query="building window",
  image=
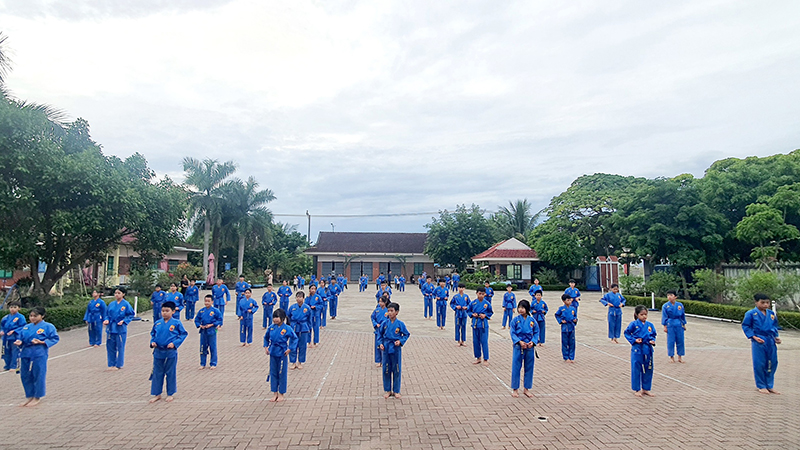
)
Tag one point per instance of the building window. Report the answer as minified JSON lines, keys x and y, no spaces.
{"x":110,"y":265}
{"x":419,"y":268}
{"x":172,"y":264}
{"x":514,"y":272}
{"x":6,"y":273}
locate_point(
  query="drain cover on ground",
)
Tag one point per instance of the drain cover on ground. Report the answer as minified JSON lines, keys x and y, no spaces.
{"x":542,"y":419}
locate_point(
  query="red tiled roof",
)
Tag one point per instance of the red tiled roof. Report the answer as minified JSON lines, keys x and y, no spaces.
{"x":494,"y":252}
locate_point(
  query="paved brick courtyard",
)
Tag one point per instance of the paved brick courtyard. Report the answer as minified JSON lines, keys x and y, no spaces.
{"x":336,"y":400}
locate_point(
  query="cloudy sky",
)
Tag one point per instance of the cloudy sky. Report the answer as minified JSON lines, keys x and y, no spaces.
{"x":364,"y":107}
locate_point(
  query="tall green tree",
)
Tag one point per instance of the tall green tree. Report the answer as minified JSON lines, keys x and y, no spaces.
{"x":65,"y":203}
{"x":246,"y":206}
{"x":204,"y":180}
{"x":516,"y":220}
{"x":764,"y":228}
{"x":455,"y":237}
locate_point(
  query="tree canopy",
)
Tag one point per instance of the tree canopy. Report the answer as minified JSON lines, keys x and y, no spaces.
{"x":455,"y":237}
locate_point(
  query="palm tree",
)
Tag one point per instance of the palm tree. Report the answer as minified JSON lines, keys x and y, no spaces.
{"x":248,"y":215}
{"x":517,"y":219}
{"x":5,"y":60}
{"x":205,"y":178}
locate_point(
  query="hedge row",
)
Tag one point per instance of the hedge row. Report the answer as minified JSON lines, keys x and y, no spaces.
{"x":786,"y":319}
{"x":65,"y":317}
{"x":496,"y":286}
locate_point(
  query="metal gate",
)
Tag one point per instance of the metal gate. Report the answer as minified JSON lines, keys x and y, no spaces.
{"x":592,"y":278}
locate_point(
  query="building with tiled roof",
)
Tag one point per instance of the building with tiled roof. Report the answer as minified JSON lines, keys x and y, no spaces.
{"x":510,"y":258}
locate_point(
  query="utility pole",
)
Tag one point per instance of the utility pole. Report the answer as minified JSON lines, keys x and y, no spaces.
{"x":309,"y":227}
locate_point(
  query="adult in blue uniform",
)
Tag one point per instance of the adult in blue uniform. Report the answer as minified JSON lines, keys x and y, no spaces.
{"x":673,"y":318}
{"x":642,"y":336}
{"x":299,"y":317}
{"x":94,"y":316}
{"x":394,"y":335}
{"x":35,"y":340}
{"x":207,"y":320}
{"x":279,"y":341}
{"x":190,"y":298}
{"x":240,"y":287}
{"x":118,"y":315}
{"x":441,"y":294}
{"x":509,"y":305}
{"x":761,"y":326}
{"x":246,"y":307}
{"x":567,"y":317}
{"x":614,"y":301}
{"x":10,"y":325}
{"x":524,"y":333}
{"x":221,"y":296}
{"x":156,"y":300}
{"x":268,"y":302}
{"x":427,"y":298}
{"x":480,"y":310}
{"x":377,"y":317}
{"x":539,"y":311}
{"x":284,"y":292}
{"x":166,"y":336}
{"x":460,"y":304}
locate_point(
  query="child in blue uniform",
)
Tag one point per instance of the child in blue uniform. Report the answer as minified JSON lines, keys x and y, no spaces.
{"x":567,"y":317}
{"x":614,"y":301}
{"x":156,"y":300}
{"x":402,"y":284}
{"x":207,"y":320}
{"x":480,"y":310}
{"x":268,"y":302}
{"x":761,"y":326}
{"x":166,"y":336}
{"x":35,"y":340}
{"x":240,"y":287}
{"x":245,"y":309}
{"x":427,"y":298}
{"x":673,"y":318}
{"x":119,"y":314}
{"x":489,"y":291}
{"x":441,"y":294}
{"x":509,"y":305}
{"x":642,"y":336}
{"x":190,"y":298}
{"x":221,"y":296}
{"x":9,"y":326}
{"x":377,"y":317}
{"x":279,"y":341}
{"x":524,"y":333}
{"x":333,"y":298}
{"x":384,"y":288}
{"x":535,"y":287}
{"x":284,"y":292}
{"x":538,"y":311}
{"x":175,"y":297}
{"x":316,"y":303}
{"x":362,"y":283}
{"x":460,"y":303}
{"x":456,"y":280}
{"x":94,"y":316}
{"x":575,"y":294}
{"x":394,"y":335}
{"x":299,"y":317}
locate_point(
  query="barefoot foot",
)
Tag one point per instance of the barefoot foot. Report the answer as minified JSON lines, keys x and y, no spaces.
{"x":773,"y":391}
{"x":514,"y":393}
{"x":478,"y":361}
{"x":386,"y":395}
{"x":27,"y":400}
{"x":638,"y":393}
{"x":155,"y":398}
{"x":169,"y":399}
{"x":33,"y":402}
{"x":527,"y":393}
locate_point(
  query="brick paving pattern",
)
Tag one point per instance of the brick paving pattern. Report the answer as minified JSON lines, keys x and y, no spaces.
{"x":336,"y":400}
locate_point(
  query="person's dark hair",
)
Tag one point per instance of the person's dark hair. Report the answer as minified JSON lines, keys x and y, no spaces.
{"x":279,"y":313}
{"x":208,"y":296}
{"x":673,"y":292}
{"x":14,"y":303}
{"x":761,"y":296}
{"x":481,"y":289}
{"x":384,"y":299}
{"x":639,"y":308}
{"x":159,"y":286}
{"x":525,"y":304}
{"x":570,"y":280}
{"x":174,"y":284}
{"x":269,"y":284}
{"x":300,"y":294}
{"x":462,"y":285}
{"x":241,"y":275}
{"x":394,"y":306}
{"x":250,"y":290}
{"x":564,"y":297}
{"x":122,"y":289}
{"x":170,"y":305}
{"x":39,"y":310}
{"x":613,"y":285}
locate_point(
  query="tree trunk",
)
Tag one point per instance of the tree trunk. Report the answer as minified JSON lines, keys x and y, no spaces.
{"x":215,"y":247}
{"x":685,"y":287}
{"x":240,"y":262}
{"x":206,"y":233}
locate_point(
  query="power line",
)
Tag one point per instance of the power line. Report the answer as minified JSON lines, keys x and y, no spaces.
{"x":358,"y":215}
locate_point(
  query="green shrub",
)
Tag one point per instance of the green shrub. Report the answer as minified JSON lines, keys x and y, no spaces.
{"x":64,"y":317}
{"x":631,"y":285}
{"x":710,"y":285}
{"x":661,"y":282}
{"x":546,"y":276}
{"x":498,"y":287}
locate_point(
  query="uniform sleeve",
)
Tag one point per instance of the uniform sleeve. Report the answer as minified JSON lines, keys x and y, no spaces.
{"x":747,"y":325}
{"x":227,"y":293}
{"x":577,"y":292}
{"x":254,"y":306}
{"x":545,"y":307}
{"x":128,"y":314}
{"x":535,"y":326}
{"x":629,"y":334}
{"x":197,"y":320}
{"x":513,"y":331}
{"x":218,"y":318}
{"x":372,"y":317}
{"x":653,"y":334}
{"x":51,"y":338}
{"x":265,"y":298}
{"x":153,"y":334}
{"x":683,"y":316}
{"x":664,"y":317}
{"x":404,"y":334}
{"x":182,"y":333}
{"x":266,"y":337}
{"x":775,"y":327}
{"x":85,"y":315}
{"x":489,"y":312}
{"x":604,"y":300}
{"x":239,"y":310}
{"x":558,"y":315}
{"x":292,"y":340}
{"x":622,"y":300}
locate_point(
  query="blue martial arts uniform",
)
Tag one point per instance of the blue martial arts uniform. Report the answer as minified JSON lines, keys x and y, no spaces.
{"x":534,"y":289}
{"x":538,"y":311}
{"x":176,"y":298}
{"x":377,"y":317}
{"x":221,"y":296}
{"x":362,"y":284}
{"x":157,"y":298}
{"x":617,"y":301}
{"x":567,"y":314}
{"x":456,"y":280}
{"x":765,"y":356}
{"x":324,"y":294}
{"x":245,"y":309}
{"x":317,"y":304}
{"x":240,"y":287}
{"x":641,"y":354}
{"x":277,"y":340}
{"x":427,"y":296}
{"x":268,"y":302}
{"x":380,"y":292}
{"x":402,"y":284}
{"x":509,"y":305}
{"x":116,"y":334}
{"x":523,"y":329}
{"x":191,"y":297}
{"x":673,"y":317}
{"x":480,"y":327}
{"x":393,"y":354}
{"x":489,"y":294}
{"x":461,"y":315}
{"x":574,"y":294}
{"x":333,"y":298}
{"x":165,"y":359}
{"x":300,"y":320}
{"x":33,"y":357}
{"x":208,"y":336}
{"x":441,"y":294}
{"x":11,"y":324}
{"x":94,"y":316}
{"x":284,"y":292}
